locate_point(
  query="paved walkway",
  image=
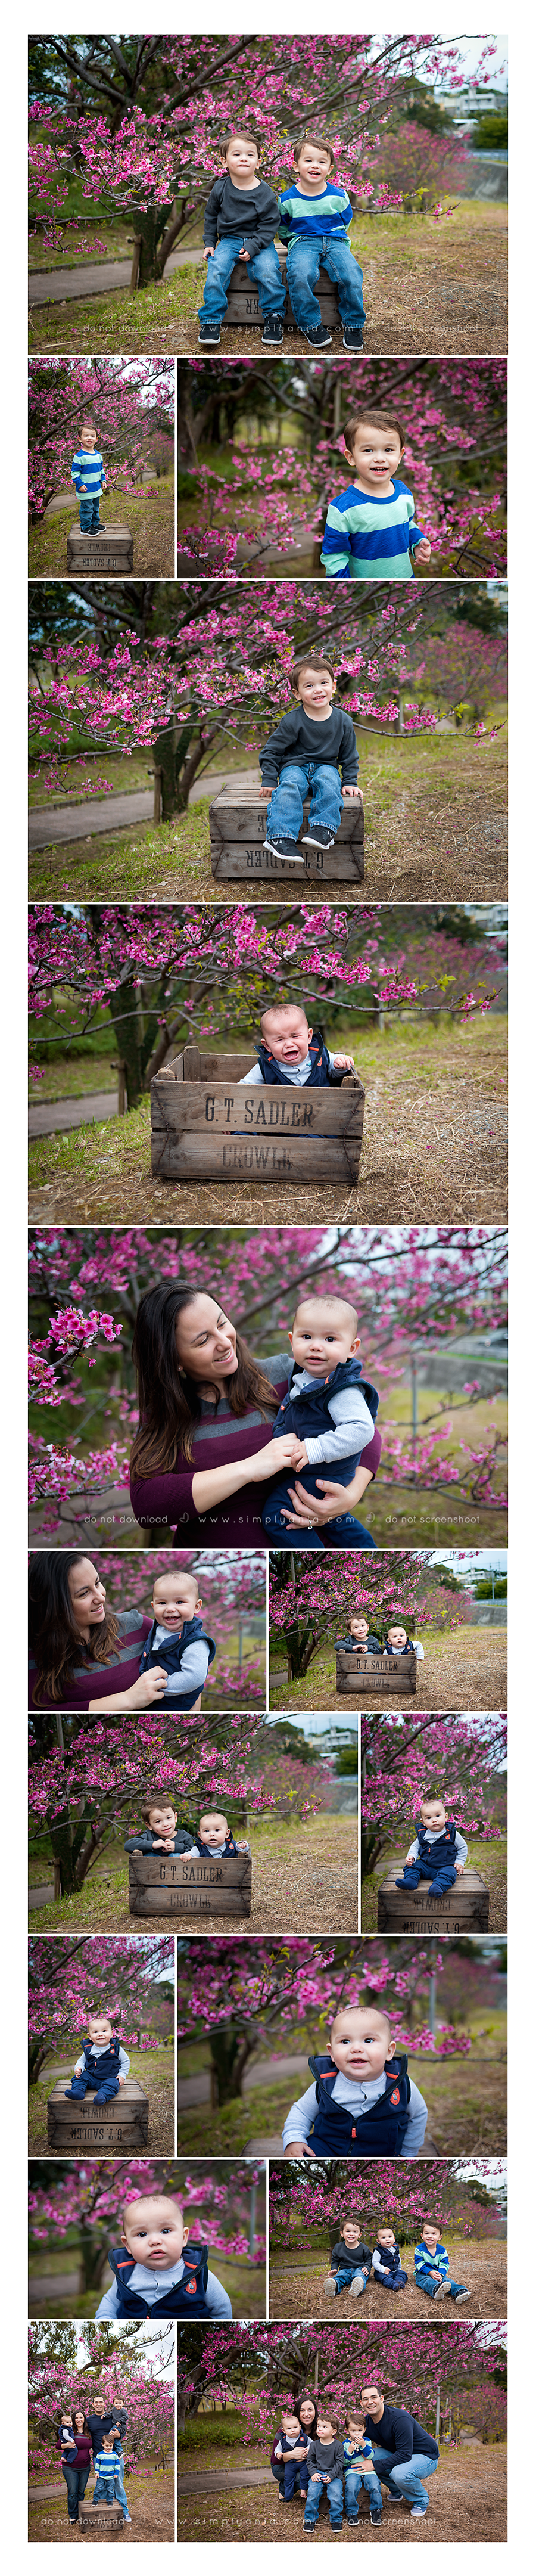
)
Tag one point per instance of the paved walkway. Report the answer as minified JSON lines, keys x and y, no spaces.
{"x":196,"y":2088}
{"x":49,"y":824}
{"x":50,"y":1117}
{"x":94,"y":277}
{"x":198,"y":2483}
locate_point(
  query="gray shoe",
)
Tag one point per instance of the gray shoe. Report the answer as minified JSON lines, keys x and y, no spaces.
{"x":357,"y":2286}
{"x":329,"y":2286}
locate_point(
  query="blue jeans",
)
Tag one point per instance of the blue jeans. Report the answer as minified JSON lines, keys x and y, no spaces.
{"x":342,"y":1532}
{"x":354,"y":2480}
{"x":346,"y":2273}
{"x":333,"y":2491}
{"x":431,"y":2288}
{"x":76,"y":2483}
{"x":439,"y":1879}
{"x":82,"y":2084}
{"x":407,"y":2479}
{"x":281,"y":2470}
{"x":89,"y":515}
{"x":105,"y":2493}
{"x":303,"y":263}
{"x":284,"y":813}
{"x":264,"y":268}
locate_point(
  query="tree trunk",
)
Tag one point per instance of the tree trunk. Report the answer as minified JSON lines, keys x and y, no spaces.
{"x":178,"y":751}
{"x":148,"y":226}
{"x":229,"y":2058}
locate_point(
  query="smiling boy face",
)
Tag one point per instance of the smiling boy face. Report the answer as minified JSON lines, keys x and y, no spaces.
{"x":350,"y":2233}
{"x":100,"y":2028}
{"x":315,"y":688}
{"x":175,"y":1598}
{"x":361,"y":2044}
{"x":374,"y":454}
{"x":162,"y":1822}
{"x":359,"y":1629}
{"x":323,"y":1333}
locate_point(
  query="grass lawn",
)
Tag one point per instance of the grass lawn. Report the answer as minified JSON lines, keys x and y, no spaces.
{"x":467,"y":2502}
{"x":125,"y":772}
{"x":149,"y":516}
{"x":304,"y":1880}
{"x":153,"y":2068}
{"x":435,"y":286}
{"x":435,"y":828}
{"x":465,"y":2097}
{"x":464,"y":1669}
{"x":489,"y":1858}
{"x":151,"y":2502}
{"x":435,"y":1141}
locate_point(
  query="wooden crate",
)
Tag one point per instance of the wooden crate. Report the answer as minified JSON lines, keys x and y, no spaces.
{"x":204,"y":1127}
{"x":244,"y":313}
{"x":112,"y":553}
{"x":384,"y":1677}
{"x":237,"y":826}
{"x":181,"y":1885}
{"x":94,"y":2128}
{"x":463,"y":1908}
{"x":102,"y":2521}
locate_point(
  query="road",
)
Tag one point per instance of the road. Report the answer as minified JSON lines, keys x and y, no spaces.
{"x":53,"y":1117}
{"x":47,"y":824}
{"x":94,"y":277}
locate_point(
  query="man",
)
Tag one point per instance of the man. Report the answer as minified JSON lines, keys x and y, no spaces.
{"x":402,"y":2454}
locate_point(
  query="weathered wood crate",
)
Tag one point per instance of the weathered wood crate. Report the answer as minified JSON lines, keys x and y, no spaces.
{"x":91,"y":2127}
{"x":164,"y":1884}
{"x":102,"y":2521}
{"x":244,"y":313}
{"x":237,"y":826}
{"x":384,"y":1677}
{"x":112,"y":553}
{"x":463,"y":1908}
{"x":204,"y":1127}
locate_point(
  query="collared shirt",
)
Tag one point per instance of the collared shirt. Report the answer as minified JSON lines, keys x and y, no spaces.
{"x":461,"y":1846}
{"x":123,"y":2061}
{"x":357,"y":2097}
{"x":151,"y":2286}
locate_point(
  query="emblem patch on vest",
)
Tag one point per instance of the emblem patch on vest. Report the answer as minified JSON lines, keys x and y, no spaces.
{"x":395,"y":2096}
{"x":190,"y":2289}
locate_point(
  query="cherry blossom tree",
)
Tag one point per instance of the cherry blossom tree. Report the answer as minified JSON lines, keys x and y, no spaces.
{"x":73,"y":2365}
{"x":306,"y":1607}
{"x":242,"y":2000}
{"x":92,"y":2198}
{"x":69,"y":1979}
{"x":127,"y":397}
{"x":254,"y":2368}
{"x":459,"y":1757}
{"x":308,"y":2198}
{"x":143,"y":122}
{"x":89,"y":1792}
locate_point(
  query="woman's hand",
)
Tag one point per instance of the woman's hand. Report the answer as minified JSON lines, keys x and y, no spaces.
{"x":327,"y":1501}
{"x":272,"y":1460}
{"x":150,"y":1687}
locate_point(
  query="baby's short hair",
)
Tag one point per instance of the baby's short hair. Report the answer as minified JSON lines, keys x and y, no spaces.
{"x":374,"y":420}
{"x":361,"y":2007}
{"x":320,"y":141}
{"x":140,"y":2199}
{"x":186,"y":1571}
{"x":276,"y":1003}
{"x":311,"y":662}
{"x":336,"y":1303}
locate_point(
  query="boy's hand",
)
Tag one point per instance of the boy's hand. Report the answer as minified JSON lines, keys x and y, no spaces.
{"x":122,"y":2079}
{"x":344,"y":1063}
{"x":316,"y":2478}
{"x":460,"y":1864}
{"x":278,"y":2455}
{"x":423,"y":551}
{"x":208,"y":252}
{"x":352,"y":791}
{"x":83,"y":487}
{"x":265,"y":789}
{"x":299,"y":2147}
{"x":243,"y":254}
{"x":299,"y":1454}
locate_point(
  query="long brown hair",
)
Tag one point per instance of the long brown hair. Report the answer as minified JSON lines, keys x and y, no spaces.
{"x":54,"y":1641}
{"x":169,"y":1400}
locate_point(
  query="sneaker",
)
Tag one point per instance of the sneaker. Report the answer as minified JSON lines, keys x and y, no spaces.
{"x":419,"y":2512}
{"x":358,"y":2285}
{"x":318,"y":837}
{"x":273,"y":330}
{"x":352,"y":336}
{"x":284,"y":850}
{"x":318,"y":337}
{"x":100,"y":531}
{"x":127,"y":2517}
{"x":443,"y":2290}
{"x":376,"y":2515}
{"x":209,"y":334}
{"x":460,"y":2294}
{"x":330,"y":2286}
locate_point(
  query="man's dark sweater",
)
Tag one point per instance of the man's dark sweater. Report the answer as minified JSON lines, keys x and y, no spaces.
{"x":328,"y":2457}
{"x":401,"y":2434}
{"x":359,"y":2256}
{"x":251,"y":211}
{"x":100,"y":2424}
{"x":299,"y":738}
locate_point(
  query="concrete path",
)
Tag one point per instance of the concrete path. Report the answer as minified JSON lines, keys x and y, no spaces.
{"x":50,"y":1117}
{"x":198,"y":2483}
{"x":94,"y":277}
{"x":196,"y":2088}
{"x":48,"y":824}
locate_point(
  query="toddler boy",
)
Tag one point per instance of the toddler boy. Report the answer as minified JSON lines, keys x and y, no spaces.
{"x":103,"y":2065}
{"x":359,"y":2470}
{"x":241,"y":221}
{"x":293,"y":1053}
{"x":351,"y":2263}
{"x":291,"y":2452}
{"x":359,"y":1640}
{"x":315,"y":215}
{"x":161,"y":1831}
{"x":371,"y":530}
{"x":326,"y":2468}
{"x":313,"y":752}
{"x":178,"y":1641}
{"x":398,"y":1643}
{"x":109,"y":2481}
{"x":89,"y":478}
{"x":432,"y":2266}
{"x":331,"y":1413}
{"x":152,"y":2274}
{"x":386,"y":2262}
{"x":438,"y":1852}
{"x":215,"y":1840}
{"x":361,"y":2102}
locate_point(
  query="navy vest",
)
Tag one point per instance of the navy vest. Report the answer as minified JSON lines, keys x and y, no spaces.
{"x":171,"y":1655}
{"x":390,"y":2257}
{"x":317,"y":1079}
{"x":379,"y":2131}
{"x":186,"y":2299}
{"x":408,"y":1649}
{"x":437,"y":1854}
{"x":308,"y":1414}
{"x":205,"y":1852}
{"x":102,"y":2067}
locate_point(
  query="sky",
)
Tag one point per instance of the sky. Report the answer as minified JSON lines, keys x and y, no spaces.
{"x":472,"y":1562}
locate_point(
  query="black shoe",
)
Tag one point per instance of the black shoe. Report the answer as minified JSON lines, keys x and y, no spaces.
{"x":100,"y":531}
{"x":273,"y":330}
{"x":352,"y":336}
{"x":318,"y":837}
{"x":209,"y":334}
{"x":318,"y":337}
{"x":376,"y":2516}
{"x":285,"y":850}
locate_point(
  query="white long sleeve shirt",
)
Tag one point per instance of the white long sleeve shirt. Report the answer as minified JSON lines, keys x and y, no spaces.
{"x":357,"y":2097}
{"x":153,"y":2285}
{"x":353,"y":1426}
{"x":461,"y":1847}
{"x":192,"y":1672}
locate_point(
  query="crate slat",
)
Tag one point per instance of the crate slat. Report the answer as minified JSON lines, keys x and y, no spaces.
{"x":111,"y":553}
{"x":87,"y":2127}
{"x":237,"y":827}
{"x":169,"y":1884}
{"x":383,"y":1676}
{"x":220,"y":1129}
{"x":415,"y":1910}
{"x":244,"y":312}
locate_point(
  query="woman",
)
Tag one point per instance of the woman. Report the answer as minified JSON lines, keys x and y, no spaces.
{"x":306,"y":2412}
{"x":76,"y":1644}
{"x":206,"y":1408}
{"x":76,"y":2461}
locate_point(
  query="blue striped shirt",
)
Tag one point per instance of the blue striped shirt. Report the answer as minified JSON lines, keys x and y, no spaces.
{"x":367,"y":535}
{"x":88,"y":468}
{"x":302,"y":218}
{"x":426,"y":2262}
{"x":106,"y":2464}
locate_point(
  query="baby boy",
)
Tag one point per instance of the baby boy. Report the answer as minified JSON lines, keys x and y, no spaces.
{"x":152,"y":2271}
{"x":361,"y":2101}
{"x":438,"y":1852}
{"x":293,"y":1053}
{"x":178,"y":1644}
{"x":331,"y":1413}
{"x":103,"y":2065}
